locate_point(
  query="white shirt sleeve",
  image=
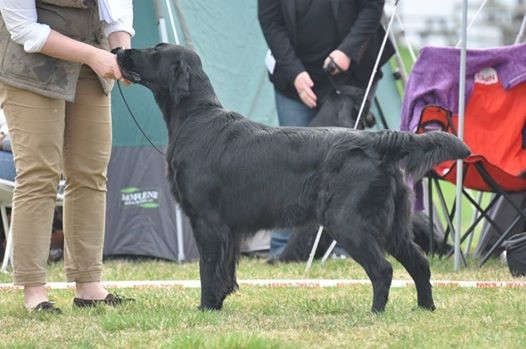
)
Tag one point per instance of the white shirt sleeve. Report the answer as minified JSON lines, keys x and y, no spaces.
{"x":20,"y":17}
{"x":116,"y":15}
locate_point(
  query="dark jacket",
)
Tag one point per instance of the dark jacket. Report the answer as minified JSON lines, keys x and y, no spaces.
{"x":359,"y":27}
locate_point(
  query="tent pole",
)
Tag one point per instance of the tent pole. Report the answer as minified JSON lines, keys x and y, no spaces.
{"x":522,"y":32}
{"x":163,"y":34}
{"x":461,"y":109}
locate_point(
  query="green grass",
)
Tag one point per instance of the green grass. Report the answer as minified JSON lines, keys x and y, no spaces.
{"x":258,"y":317}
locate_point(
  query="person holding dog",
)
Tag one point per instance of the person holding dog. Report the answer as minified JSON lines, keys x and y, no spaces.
{"x":55,"y":84}
{"x":314,"y":45}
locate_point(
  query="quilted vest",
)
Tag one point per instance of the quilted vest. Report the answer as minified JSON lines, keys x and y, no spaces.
{"x":48,"y":76}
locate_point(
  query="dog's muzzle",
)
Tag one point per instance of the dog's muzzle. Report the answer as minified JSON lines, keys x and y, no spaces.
{"x":129,"y":75}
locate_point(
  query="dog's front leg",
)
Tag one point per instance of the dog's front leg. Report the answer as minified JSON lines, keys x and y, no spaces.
{"x":211,"y":298}
{"x":219,"y":252}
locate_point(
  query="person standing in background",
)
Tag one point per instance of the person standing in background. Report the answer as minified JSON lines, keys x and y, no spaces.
{"x":7,"y":167}
{"x":55,"y":84}
{"x":307,"y":39}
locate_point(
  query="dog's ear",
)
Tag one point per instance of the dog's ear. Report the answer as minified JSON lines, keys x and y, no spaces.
{"x":179,"y":81}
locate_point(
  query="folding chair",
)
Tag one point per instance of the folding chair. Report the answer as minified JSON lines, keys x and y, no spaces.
{"x":6,"y":197}
{"x":494,"y":122}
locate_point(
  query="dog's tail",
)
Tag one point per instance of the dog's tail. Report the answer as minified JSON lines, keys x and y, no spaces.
{"x":419,"y":153}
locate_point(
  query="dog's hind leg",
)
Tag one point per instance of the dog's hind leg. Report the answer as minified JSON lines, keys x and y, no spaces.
{"x":408,"y":254}
{"x":364,"y":249}
{"x":401,"y":247}
{"x":219,"y":254}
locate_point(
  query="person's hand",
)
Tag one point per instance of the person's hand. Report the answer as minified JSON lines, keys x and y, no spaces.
{"x":104,"y":64}
{"x":340,"y":61}
{"x":303,"y":84}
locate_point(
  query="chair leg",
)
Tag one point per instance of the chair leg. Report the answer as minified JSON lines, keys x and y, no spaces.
{"x":474,"y":218}
{"x":483,"y":214}
{"x":430,"y":212}
{"x":502,"y":238}
{"x":521,"y":214}
{"x":446,"y":213}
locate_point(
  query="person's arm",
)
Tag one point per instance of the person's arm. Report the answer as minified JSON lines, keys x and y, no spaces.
{"x":120,"y":39}
{"x":103,"y":63}
{"x":20,"y":17}
{"x":119,"y":31}
{"x":273,"y":27}
{"x":363,"y":29}
{"x":272,"y":24}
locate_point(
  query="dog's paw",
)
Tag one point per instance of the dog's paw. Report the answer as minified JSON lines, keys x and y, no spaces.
{"x":210,"y":307}
{"x":430,"y":307}
{"x":378,"y":311}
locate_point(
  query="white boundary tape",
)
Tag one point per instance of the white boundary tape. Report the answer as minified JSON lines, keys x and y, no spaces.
{"x":269,"y":283}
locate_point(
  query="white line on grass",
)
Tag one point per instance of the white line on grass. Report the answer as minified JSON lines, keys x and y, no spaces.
{"x":302,"y":283}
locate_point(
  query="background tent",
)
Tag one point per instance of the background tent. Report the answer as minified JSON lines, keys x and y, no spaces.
{"x":141,"y":217}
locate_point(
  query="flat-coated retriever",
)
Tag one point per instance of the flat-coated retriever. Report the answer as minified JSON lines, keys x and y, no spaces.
{"x":234,"y":177}
{"x":301,"y":241}
{"x":341,"y":107}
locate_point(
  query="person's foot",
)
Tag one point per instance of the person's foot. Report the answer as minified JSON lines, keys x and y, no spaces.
{"x":34,"y":295}
{"x":110,"y":300}
{"x":90,"y":294}
{"x":90,"y":291}
{"x":47,"y":307}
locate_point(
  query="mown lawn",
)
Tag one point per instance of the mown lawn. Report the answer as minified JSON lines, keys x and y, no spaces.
{"x":260,"y":317}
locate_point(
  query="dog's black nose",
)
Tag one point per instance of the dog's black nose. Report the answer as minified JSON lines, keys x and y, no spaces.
{"x":117,"y":50}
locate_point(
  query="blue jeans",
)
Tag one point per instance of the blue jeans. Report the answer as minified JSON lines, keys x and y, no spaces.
{"x":290,"y":113}
{"x":7,"y":166}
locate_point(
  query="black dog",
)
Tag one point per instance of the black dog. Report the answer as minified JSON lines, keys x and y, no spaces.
{"x":341,"y":107}
{"x":301,"y":241}
{"x":234,"y":177}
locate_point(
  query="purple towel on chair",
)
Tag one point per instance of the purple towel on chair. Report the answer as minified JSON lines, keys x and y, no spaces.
{"x":435,"y":77}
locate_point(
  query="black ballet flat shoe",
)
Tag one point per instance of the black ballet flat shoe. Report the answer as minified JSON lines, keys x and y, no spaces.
{"x":110,"y":300}
{"x":46,"y":307}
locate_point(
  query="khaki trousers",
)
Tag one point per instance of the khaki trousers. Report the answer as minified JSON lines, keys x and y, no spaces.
{"x":50,"y":138}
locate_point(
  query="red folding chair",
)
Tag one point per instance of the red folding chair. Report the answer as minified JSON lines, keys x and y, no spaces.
{"x":494,"y":123}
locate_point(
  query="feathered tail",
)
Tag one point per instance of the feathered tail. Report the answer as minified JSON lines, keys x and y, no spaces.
{"x":419,"y":153}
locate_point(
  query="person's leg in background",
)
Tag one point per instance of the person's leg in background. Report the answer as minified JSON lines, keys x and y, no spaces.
{"x":87,"y":149}
{"x":36,"y":125}
{"x":7,"y":172}
{"x":290,"y":113}
{"x":7,"y":166}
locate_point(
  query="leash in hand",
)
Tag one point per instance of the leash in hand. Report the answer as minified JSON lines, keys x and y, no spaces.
{"x":136,"y":123}
{"x":330,"y":68}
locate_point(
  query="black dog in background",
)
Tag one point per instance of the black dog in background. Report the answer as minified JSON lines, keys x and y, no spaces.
{"x":341,"y":107}
{"x":234,"y":177}
{"x":301,"y":240}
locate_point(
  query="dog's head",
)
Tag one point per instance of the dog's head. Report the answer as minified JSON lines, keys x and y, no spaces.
{"x":341,"y":109}
{"x":167,"y":70}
